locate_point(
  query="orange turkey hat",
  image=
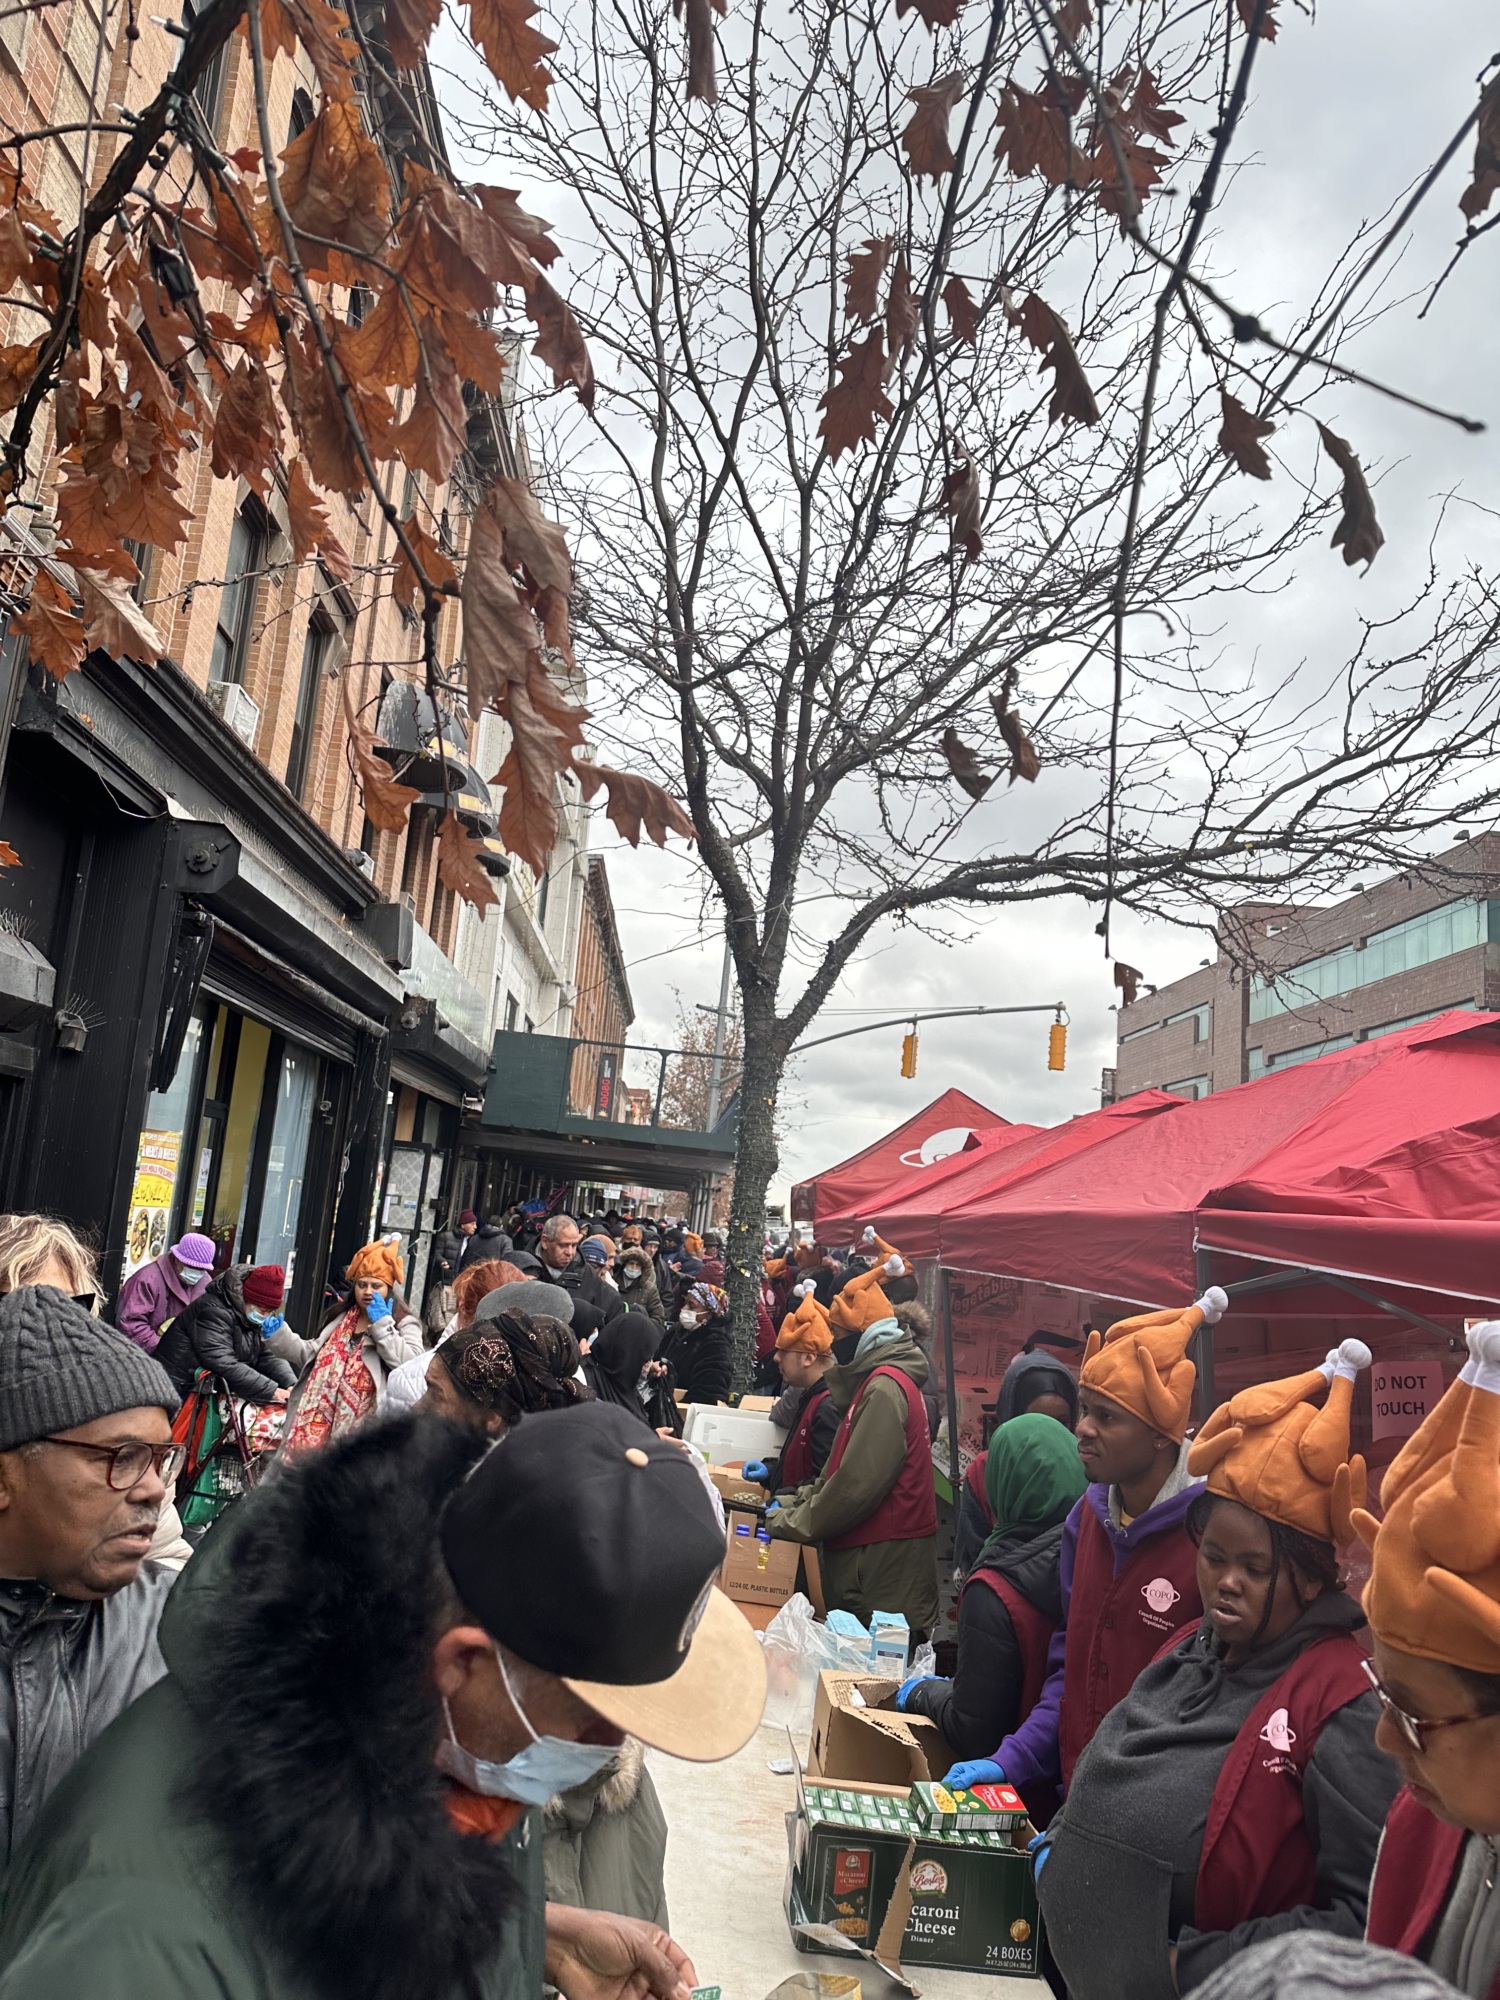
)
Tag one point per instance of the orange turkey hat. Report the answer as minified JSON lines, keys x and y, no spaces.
{"x":1276,"y":1452}
{"x":380,"y":1260}
{"x":1142,"y":1363}
{"x":1434,"y":1586}
{"x":808,"y":1325}
{"x":861,"y":1302}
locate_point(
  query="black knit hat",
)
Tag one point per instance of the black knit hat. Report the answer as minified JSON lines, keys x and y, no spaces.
{"x":60,"y":1367}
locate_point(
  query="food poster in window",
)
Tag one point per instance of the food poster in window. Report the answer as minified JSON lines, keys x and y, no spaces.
{"x":156,"y":1162}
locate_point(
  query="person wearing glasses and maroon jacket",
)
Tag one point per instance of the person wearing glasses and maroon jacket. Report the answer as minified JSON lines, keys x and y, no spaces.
{"x":86,"y":1456}
{"x":1433,"y":1602}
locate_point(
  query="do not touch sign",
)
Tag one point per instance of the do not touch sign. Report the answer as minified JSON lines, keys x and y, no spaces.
{"x":1401,"y":1394}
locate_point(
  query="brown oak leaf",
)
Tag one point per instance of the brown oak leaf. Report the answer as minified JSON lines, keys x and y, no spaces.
{"x":335,"y":183}
{"x":1072,"y":398}
{"x":1036,"y":136}
{"x":1128,"y":979}
{"x":1073,"y":17}
{"x":500,"y":634}
{"x":512,"y":48}
{"x":1240,"y":436}
{"x":1148,"y":110}
{"x":1268,"y":22}
{"x":857,"y":401}
{"x":862,"y":280}
{"x":432,"y":435}
{"x":436,"y":567}
{"x":633,"y":805}
{"x":901,"y":316}
{"x":475,"y":352}
{"x":934,"y":13}
{"x":1476,"y":197}
{"x":925,"y":137}
{"x":114,"y":622}
{"x":308,"y":520}
{"x":531,"y":540}
{"x":963,"y":313}
{"x":1358,"y":533}
{"x":387,"y":802}
{"x":53,"y":630}
{"x":559,"y":341}
{"x":549,"y":701}
{"x":458,"y":864}
{"x":318,"y":419}
{"x":88,"y":533}
{"x":962,"y":498}
{"x":247,"y":426}
{"x":703,"y":83}
{"x":1024,"y":761}
{"x":15,"y":251}
{"x":383,"y":347}
{"x":408,"y":29}
{"x":963,"y":764}
{"x":538,"y":753}
{"x":17,"y":366}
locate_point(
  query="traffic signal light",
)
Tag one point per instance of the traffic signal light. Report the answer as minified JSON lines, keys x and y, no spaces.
{"x":909,"y":1054}
{"x":1057,"y":1046}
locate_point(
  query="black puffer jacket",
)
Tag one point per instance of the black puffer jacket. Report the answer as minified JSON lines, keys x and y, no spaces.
{"x":981,"y":1705}
{"x":700,"y":1362}
{"x":216,"y":1332}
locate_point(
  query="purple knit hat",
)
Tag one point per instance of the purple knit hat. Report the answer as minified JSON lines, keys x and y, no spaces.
{"x":196,"y":1251}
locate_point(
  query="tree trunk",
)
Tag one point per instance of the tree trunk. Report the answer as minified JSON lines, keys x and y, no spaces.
{"x":755,"y":1161}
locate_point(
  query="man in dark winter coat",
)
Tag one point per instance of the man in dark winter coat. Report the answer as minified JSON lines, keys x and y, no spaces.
{"x":333,"y":1795}
{"x":86,"y":1454}
{"x":486,"y":1244}
{"x":557,"y":1247}
{"x":225,"y":1330}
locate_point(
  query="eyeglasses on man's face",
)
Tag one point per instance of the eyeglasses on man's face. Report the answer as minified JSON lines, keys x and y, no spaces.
{"x":126,"y":1465}
{"x":1414,"y":1728}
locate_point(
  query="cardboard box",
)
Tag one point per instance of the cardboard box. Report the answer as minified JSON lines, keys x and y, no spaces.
{"x":756,"y":1569}
{"x":860,"y":1866}
{"x":731,"y":1484}
{"x":856,"y":1741}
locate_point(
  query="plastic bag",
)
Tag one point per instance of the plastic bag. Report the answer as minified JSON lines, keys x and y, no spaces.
{"x":791,"y":1664}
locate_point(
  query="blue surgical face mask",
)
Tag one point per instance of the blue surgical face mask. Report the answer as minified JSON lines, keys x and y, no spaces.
{"x":548,"y":1764}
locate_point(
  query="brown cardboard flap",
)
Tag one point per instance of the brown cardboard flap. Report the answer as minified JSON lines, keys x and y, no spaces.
{"x":812,"y":1576}
{"x":854,"y":1745}
{"x":897,"y":1916}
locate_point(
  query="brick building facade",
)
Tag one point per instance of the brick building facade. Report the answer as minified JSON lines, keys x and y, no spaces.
{"x":1288,"y":984}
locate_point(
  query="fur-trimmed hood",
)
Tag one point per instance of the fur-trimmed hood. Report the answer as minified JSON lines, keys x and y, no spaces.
{"x":613,"y":1791}
{"x":301,"y":1637}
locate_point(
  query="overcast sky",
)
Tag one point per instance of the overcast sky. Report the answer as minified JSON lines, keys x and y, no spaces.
{"x":1349,"y":111}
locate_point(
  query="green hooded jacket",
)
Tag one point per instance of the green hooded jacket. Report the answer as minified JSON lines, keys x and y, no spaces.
{"x":881,"y":1576}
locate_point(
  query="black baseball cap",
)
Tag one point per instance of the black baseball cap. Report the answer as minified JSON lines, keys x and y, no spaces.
{"x":589,"y":1547}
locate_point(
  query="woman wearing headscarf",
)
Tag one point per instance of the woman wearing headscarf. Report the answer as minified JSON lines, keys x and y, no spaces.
{"x":1012,"y":1602}
{"x":1236,"y":1792}
{"x":698,"y":1352}
{"x":1033,"y":1383}
{"x":370,"y":1338}
{"x":616,"y":1365}
{"x":489,"y":1374}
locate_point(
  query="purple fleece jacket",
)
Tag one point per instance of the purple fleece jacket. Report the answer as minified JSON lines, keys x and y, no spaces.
{"x":151,"y":1295}
{"x":1029,"y":1755}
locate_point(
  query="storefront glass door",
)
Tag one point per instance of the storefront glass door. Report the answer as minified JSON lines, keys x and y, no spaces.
{"x":292,"y":1099}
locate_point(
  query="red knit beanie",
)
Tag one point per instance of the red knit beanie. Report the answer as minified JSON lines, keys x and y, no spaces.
{"x":265,"y":1286}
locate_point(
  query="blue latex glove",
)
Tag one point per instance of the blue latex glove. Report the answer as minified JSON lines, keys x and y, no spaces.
{"x":378,"y":1309}
{"x":774,"y":1507}
{"x":906,"y":1687}
{"x":977,"y":1771}
{"x":1039,"y":1847}
{"x":273,"y":1323}
{"x":755,"y":1468}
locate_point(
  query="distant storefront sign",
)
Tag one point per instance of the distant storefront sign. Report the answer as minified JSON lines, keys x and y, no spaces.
{"x":151,"y":1197}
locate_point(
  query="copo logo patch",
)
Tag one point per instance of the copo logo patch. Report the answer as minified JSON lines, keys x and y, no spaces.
{"x":1160,"y":1594}
{"x":1278,"y":1732}
{"x":929,"y":1878}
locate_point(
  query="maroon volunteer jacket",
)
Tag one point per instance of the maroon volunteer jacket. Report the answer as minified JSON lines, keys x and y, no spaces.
{"x":1414,"y":1873}
{"x":1117,"y":1620}
{"x":908,"y":1513}
{"x":1033,"y":1630}
{"x":797,"y":1466}
{"x":1257,"y":1860}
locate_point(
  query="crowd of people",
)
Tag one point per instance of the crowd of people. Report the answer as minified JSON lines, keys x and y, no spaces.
{"x":382,"y":1731}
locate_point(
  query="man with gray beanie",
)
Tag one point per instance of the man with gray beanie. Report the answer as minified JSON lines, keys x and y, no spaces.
{"x":86,"y":1457}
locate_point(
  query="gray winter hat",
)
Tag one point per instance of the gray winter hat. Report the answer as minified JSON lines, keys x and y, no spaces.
{"x":59,"y":1367}
{"x":530,"y":1295}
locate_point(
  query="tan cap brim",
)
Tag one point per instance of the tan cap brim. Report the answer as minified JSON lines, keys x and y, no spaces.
{"x":710,"y":1707}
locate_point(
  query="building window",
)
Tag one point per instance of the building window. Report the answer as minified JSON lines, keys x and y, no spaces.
{"x":530,"y":1024}
{"x":309,"y":701}
{"x":1420,"y":940}
{"x":1415,"y":1020}
{"x":543,"y":889}
{"x":140,"y":554}
{"x":302,"y":114}
{"x":209,"y":89}
{"x":512,"y":1013}
{"x":247,"y":548}
{"x":1191,"y":1087}
{"x":1309,"y":1052}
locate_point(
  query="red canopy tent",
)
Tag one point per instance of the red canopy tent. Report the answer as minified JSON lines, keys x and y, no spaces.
{"x":1375,"y":1163}
{"x":944,"y":1127}
{"x":912,"y":1212}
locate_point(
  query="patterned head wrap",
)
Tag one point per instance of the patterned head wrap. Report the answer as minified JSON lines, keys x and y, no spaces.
{"x":515,"y":1363}
{"x":710,"y":1299}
